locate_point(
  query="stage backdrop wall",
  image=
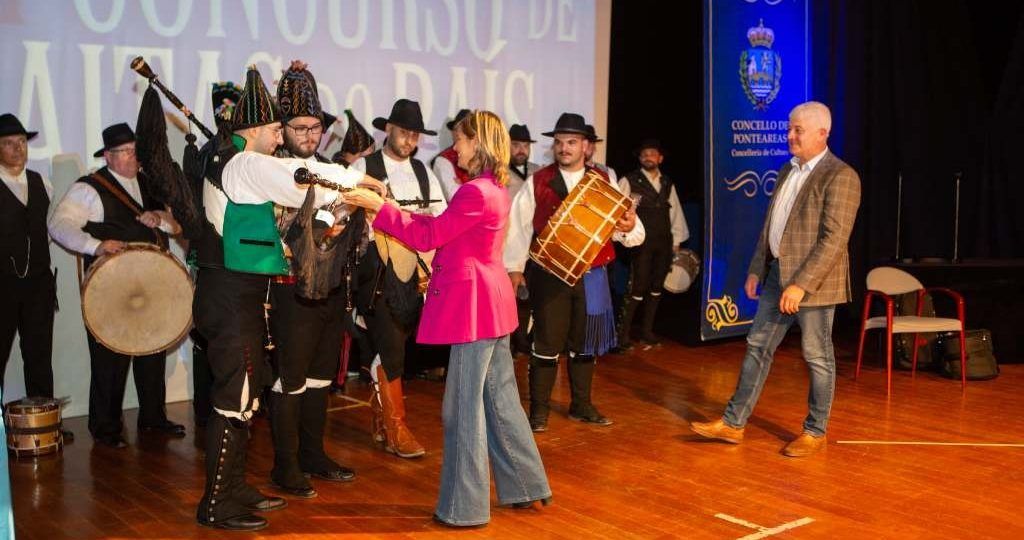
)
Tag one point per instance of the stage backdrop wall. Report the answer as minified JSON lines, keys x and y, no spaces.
{"x":66,"y":67}
{"x":756,"y":68}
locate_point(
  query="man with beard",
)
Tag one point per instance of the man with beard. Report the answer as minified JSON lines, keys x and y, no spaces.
{"x":446,"y":163}
{"x":562,"y":313}
{"x":663,"y":219}
{"x":239,"y":250}
{"x":307,"y":331}
{"x":521,"y":168}
{"x":388,"y":298}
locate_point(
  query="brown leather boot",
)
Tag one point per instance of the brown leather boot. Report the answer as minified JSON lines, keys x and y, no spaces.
{"x":718,"y":430}
{"x":804,"y":445}
{"x":397,"y":437}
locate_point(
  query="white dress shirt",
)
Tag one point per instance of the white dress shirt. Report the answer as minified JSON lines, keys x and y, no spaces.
{"x":520,"y":224}
{"x":446,"y":177}
{"x":254,"y":178}
{"x":516,"y":182}
{"x":786,"y":197}
{"x":82,"y":204}
{"x":677,"y":222}
{"x":18,"y":184}
{"x":402,"y":181}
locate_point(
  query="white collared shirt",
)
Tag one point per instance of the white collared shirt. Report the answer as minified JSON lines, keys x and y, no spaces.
{"x":677,"y":222}
{"x":19,"y":184}
{"x":81,"y":205}
{"x":402,"y":181}
{"x":786,"y":197}
{"x":520,"y":223}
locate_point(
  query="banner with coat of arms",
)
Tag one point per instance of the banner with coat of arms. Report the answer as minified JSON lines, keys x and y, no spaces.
{"x":756,"y":69}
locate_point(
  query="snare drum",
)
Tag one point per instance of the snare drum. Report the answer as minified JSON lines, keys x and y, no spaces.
{"x":33,"y":426}
{"x":580,"y":227}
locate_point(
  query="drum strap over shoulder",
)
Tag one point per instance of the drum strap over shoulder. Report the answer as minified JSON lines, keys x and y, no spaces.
{"x":124,"y":199}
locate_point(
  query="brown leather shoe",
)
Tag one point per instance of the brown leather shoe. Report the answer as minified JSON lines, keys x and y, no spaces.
{"x":718,"y":430}
{"x":804,"y":445}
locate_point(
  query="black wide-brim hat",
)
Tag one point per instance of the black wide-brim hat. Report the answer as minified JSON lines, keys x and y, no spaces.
{"x":592,"y":135}
{"x":405,"y":114}
{"x":569,"y":123}
{"x":458,"y":118}
{"x":10,"y":125}
{"x":115,"y":136}
{"x":520,"y":133}
{"x":654,"y":144}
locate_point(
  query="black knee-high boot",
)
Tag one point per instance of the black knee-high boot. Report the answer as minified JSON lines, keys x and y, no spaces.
{"x":581,"y":379}
{"x":221,"y":506}
{"x":543,"y":372}
{"x":312,"y":420}
{"x":650,"y":310}
{"x":284,"y":427}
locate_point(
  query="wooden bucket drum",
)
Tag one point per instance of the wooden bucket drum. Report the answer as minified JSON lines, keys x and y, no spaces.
{"x":138,"y":301}
{"x":579,"y":228}
{"x":33,"y":426}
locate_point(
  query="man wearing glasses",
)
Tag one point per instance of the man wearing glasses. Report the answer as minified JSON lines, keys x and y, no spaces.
{"x":307,"y":317}
{"x":99,"y":215}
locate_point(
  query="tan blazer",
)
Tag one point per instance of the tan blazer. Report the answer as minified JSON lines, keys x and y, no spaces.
{"x":813,"y":250}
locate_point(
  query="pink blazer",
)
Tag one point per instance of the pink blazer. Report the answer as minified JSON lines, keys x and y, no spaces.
{"x":469,"y":296}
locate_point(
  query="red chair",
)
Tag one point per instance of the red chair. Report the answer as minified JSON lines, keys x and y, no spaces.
{"x":886,"y":282}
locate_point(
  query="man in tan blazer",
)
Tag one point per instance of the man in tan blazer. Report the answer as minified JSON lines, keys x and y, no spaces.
{"x":802,"y":265}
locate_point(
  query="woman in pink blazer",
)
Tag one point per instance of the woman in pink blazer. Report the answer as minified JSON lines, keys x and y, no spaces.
{"x":471,"y":305}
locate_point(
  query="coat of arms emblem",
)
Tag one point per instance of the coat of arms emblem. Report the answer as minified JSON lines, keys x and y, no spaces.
{"x":760,"y":67}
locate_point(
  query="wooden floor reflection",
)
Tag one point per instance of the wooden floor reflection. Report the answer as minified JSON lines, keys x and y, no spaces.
{"x":646,"y":476}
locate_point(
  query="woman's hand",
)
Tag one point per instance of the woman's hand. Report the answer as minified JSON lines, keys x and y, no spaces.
{"x":363,"y":198}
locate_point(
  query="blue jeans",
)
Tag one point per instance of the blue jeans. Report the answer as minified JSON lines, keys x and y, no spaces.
{"x":769,"y":327}
{"x":483,"y":418}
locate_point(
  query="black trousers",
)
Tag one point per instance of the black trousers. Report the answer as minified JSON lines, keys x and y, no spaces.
{"x":228,"y":312}
{"x":520,"y":338}
{"x":388,"y":338}
{"x":559,"y":314}
{"x":308,"y":336}
{"x":107,"y":385}
{"x":649,"y":264}
{"x":28,"y":312}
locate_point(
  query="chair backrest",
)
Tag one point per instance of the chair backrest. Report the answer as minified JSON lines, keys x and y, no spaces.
{"x":892,"y":281}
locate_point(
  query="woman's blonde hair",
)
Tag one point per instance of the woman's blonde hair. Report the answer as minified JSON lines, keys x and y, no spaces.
{"x":493,"y":145}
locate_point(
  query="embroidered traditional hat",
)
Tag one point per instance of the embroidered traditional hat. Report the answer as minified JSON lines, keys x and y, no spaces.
{"x":297,"y":94}
{"x":357,"y":139}
{"x":256,"y":107}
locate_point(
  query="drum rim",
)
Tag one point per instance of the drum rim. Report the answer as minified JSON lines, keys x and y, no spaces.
{"x":135,"y":246}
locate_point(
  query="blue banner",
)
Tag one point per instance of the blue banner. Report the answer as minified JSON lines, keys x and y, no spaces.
{"x":756,"y":68}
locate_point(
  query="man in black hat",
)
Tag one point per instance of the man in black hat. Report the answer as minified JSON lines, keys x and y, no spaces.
{"x":26,"y":282}
{"x":98,"y":216}
{"x":307,"y":331}
{"x":591,"y":148}
{"x":446,"y":163}
{"x":663,"y":219}
{"x":388,"y":298}
{"x":520,"y":163}
{"x":562,"y":313}
{"x":521,"y":168}
{"x":239,"y":250}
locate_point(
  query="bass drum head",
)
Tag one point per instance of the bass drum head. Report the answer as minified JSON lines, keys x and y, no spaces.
{"x":138,"y":301}
{"x":685,"y":267}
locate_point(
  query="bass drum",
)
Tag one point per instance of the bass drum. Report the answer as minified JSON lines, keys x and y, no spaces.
{"x":138,"y":301}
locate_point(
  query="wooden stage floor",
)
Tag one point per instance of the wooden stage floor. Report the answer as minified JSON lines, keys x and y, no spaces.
{"x":646,"y":476}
